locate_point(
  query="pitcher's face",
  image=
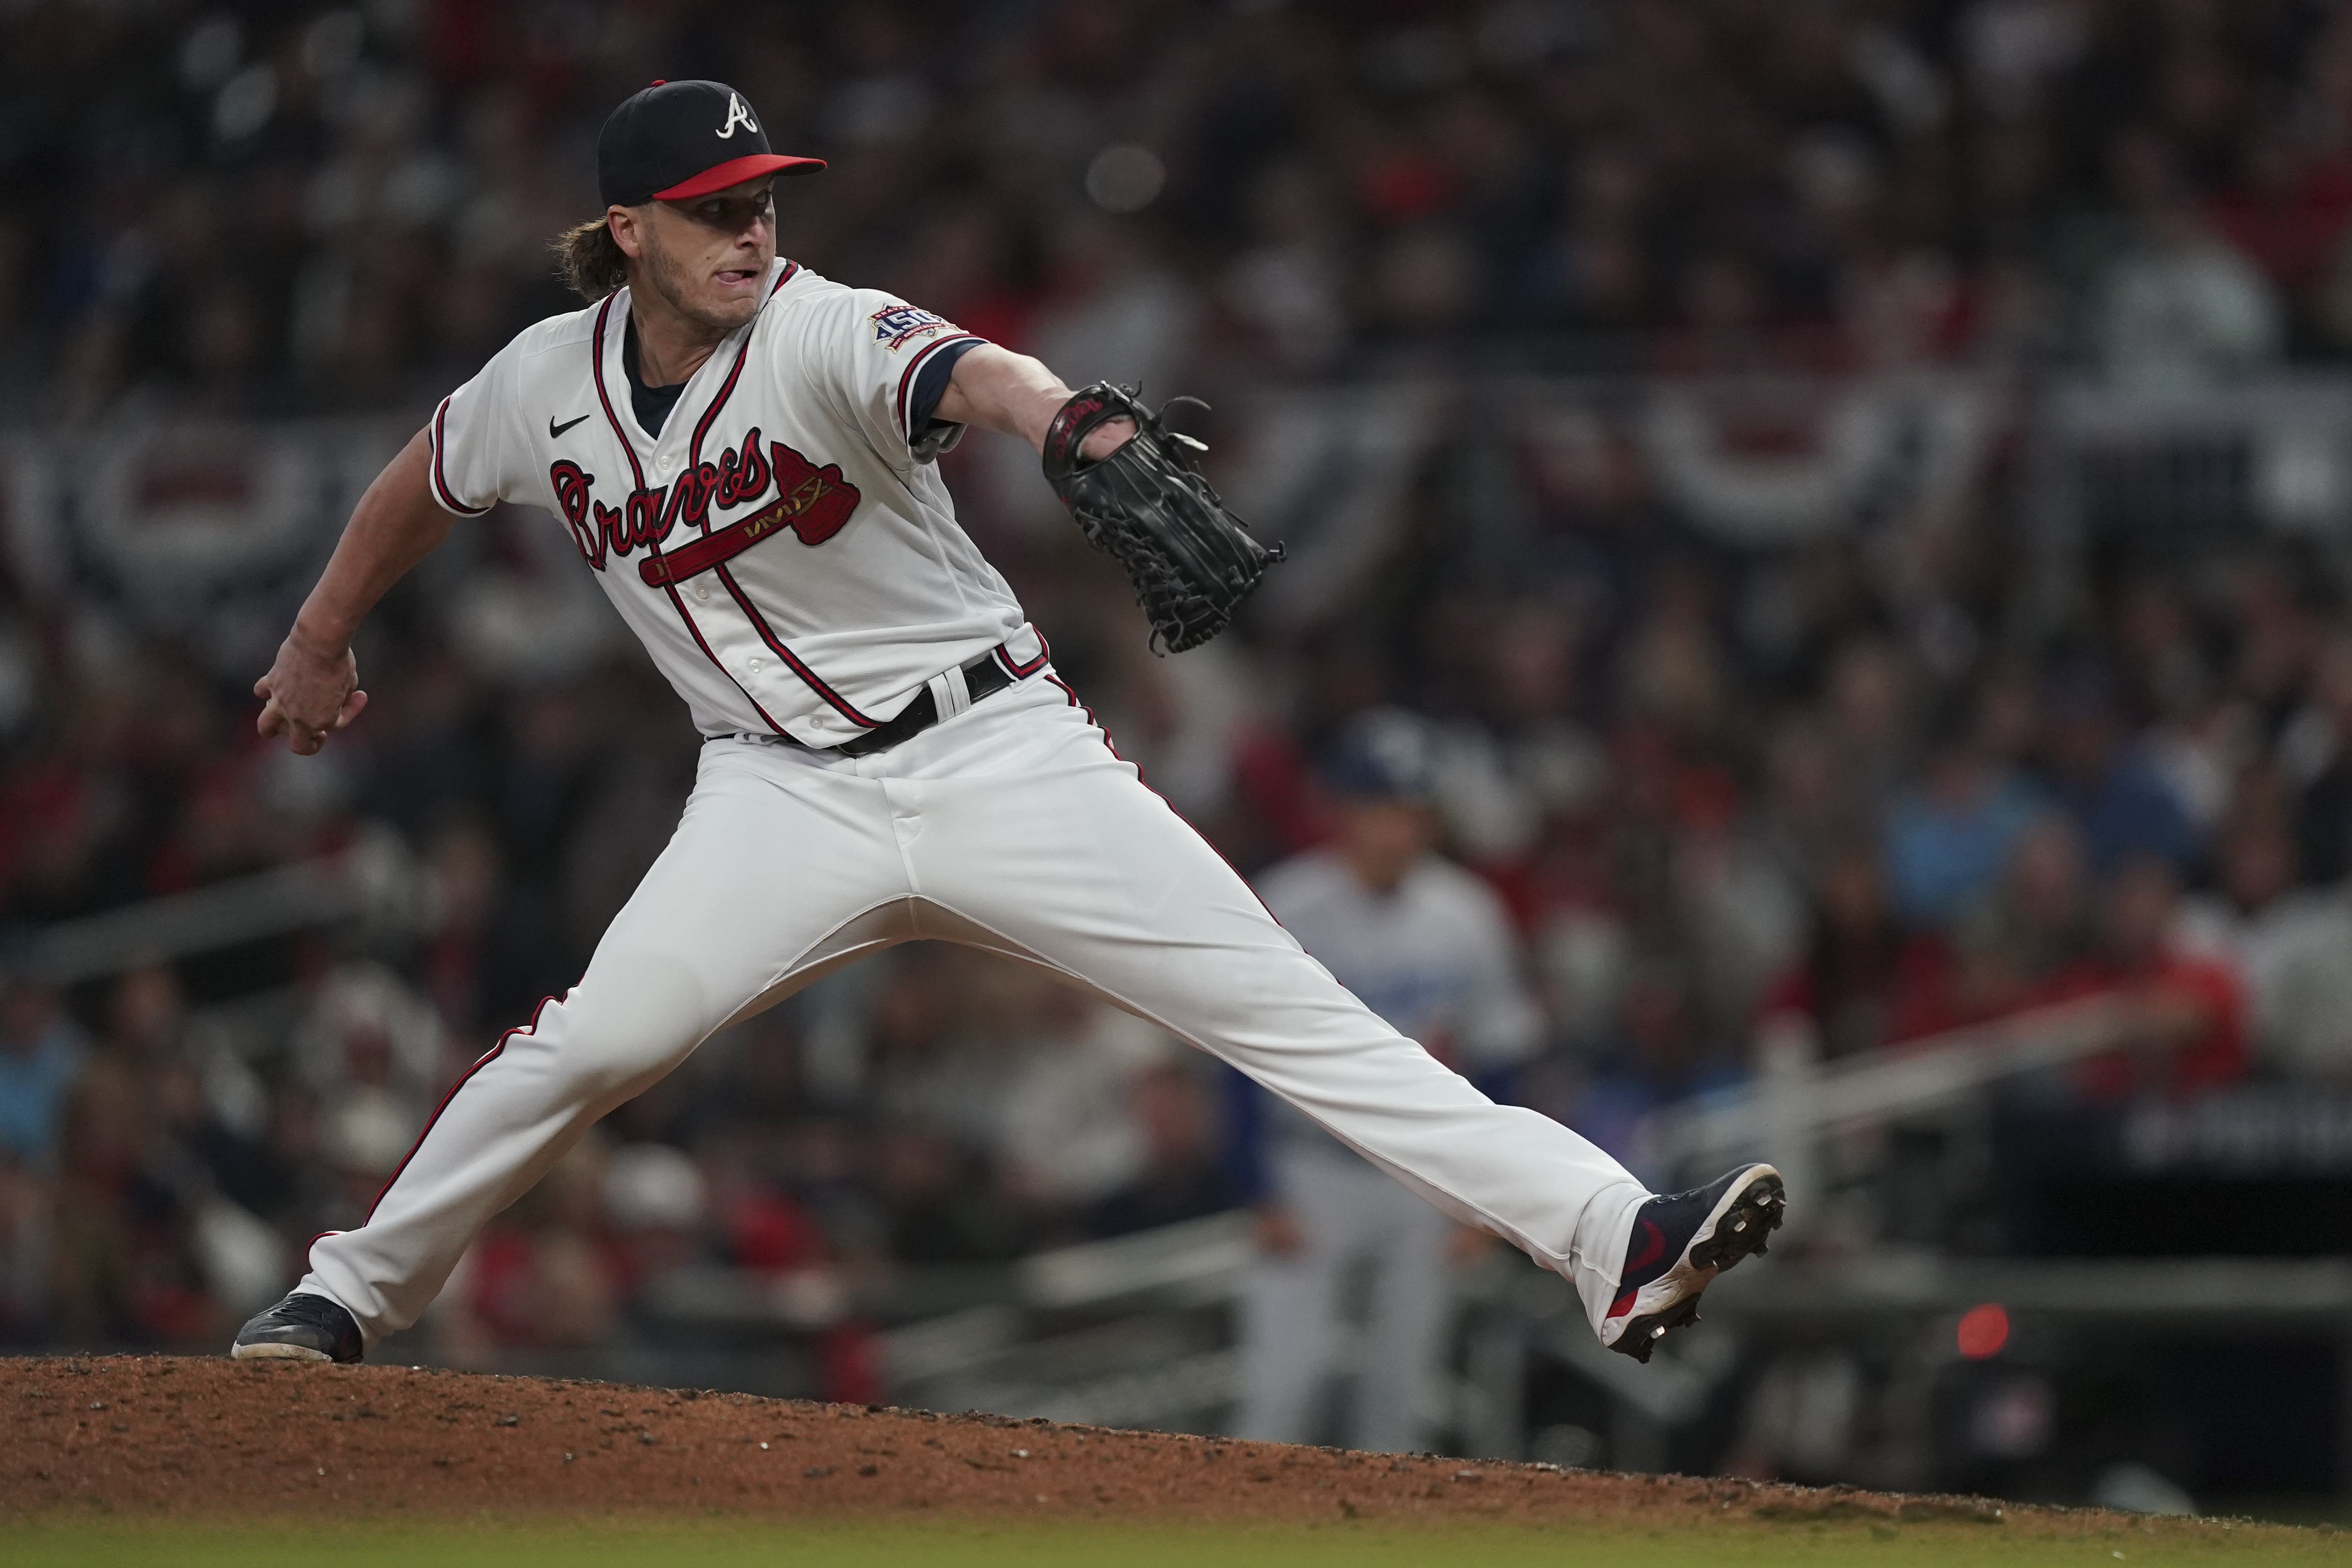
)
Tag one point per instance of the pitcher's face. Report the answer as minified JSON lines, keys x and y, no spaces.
{"x":708,"y":256}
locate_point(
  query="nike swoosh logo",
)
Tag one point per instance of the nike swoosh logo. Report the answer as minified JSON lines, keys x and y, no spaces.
{"x":555,"y":431}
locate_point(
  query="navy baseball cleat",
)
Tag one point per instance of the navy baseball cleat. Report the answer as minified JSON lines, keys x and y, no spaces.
{"x":301,"y":1328}
{"x":1680,"y":1243}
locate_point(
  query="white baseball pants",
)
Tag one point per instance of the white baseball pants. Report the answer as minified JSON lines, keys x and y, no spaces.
{"x":1011,"y":827}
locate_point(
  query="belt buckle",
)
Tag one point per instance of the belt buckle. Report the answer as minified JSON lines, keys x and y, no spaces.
{"x":882,"y":736}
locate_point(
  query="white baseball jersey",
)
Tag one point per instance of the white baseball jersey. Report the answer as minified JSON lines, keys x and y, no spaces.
{"x":791,"y":565}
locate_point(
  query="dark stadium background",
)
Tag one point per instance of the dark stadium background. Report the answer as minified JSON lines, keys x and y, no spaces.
{"x":1863,"y":488}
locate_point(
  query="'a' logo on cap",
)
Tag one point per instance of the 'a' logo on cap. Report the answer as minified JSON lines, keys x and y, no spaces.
{"x":738,"y":113}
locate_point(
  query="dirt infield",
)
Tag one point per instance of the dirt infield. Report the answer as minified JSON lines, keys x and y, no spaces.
{"x":160,"y":1437}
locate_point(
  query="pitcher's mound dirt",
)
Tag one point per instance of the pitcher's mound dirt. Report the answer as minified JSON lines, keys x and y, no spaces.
{"x":162,"y":1435}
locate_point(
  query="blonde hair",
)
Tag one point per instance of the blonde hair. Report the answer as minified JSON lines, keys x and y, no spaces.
{"x":589,"y":260}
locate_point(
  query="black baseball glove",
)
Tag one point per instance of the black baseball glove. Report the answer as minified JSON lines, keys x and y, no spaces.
{"x":1191,"y":561}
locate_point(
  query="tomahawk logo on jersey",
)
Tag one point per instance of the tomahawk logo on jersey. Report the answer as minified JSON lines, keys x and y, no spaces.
{"x":780,"y":543}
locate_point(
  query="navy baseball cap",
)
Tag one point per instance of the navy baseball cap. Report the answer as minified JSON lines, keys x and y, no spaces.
{"x":1384,"y":753}
{"x":681,"y":139}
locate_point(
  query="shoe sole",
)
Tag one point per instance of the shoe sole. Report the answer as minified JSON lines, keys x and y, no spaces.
{"x":1740,"y":1227}
{"x":266,"y":1351}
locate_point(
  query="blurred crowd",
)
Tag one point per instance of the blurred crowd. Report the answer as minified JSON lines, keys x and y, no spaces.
{"x":284,"y":206}
{"x":1826,"y":799}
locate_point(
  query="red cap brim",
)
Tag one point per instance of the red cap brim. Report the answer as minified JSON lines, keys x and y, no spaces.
{"x":735,"y":171}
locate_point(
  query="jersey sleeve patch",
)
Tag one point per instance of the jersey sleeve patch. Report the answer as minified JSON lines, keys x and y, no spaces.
{"x":895,"y":326}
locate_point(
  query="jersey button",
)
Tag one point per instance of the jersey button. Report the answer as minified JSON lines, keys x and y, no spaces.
{"x":702,"y":590}
{"x":669,"y":461}
{"x":755,"y":666}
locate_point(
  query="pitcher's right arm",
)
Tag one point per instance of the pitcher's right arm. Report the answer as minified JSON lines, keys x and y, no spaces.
{"x":313,"y":689}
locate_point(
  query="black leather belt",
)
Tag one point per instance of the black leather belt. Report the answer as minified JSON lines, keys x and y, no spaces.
{"x":983,"y":677}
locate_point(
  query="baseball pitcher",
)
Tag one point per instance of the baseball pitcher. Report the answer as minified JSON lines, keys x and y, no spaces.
{"x":742,"y":453}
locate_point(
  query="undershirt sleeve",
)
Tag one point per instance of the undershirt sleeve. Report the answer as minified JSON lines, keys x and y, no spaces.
{"x":931,"y":384}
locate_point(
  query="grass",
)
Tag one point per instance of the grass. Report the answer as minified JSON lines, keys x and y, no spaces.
{"x":720,"y":1544}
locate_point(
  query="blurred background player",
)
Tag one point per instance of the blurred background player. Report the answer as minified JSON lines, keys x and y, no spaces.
{"x":1428,"y":946}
